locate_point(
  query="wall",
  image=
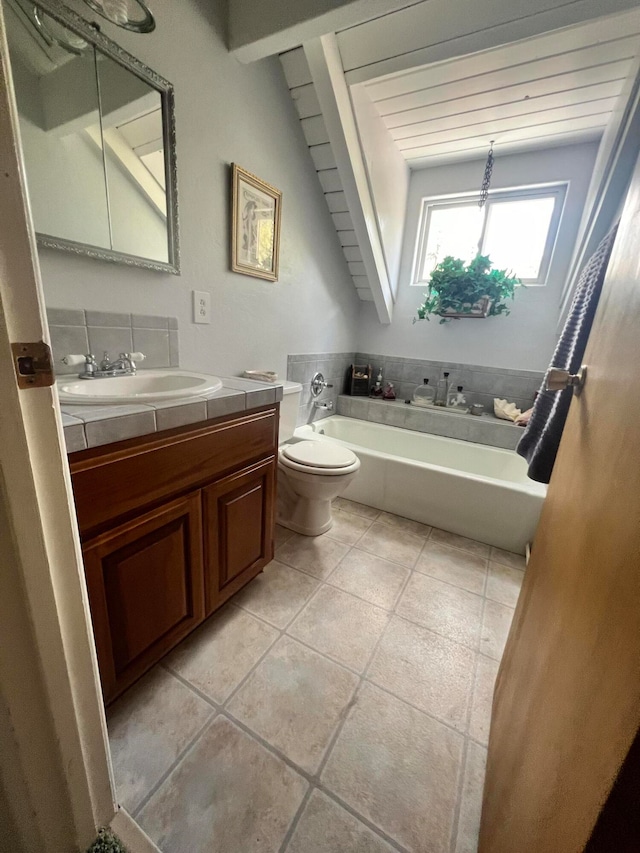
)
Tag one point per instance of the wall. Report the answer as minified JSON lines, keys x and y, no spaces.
{"x":226,"y":112}
{"x":524,"y":340}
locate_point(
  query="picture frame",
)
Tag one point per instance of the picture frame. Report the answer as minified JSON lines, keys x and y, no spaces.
{"x":256,"y":209}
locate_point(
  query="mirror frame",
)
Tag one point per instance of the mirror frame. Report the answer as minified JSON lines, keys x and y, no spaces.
{"x":91,"y":32}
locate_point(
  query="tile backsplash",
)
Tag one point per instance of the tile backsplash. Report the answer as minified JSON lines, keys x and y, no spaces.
{"x":481,"y":384}
{"x":333,"y":366}
{"x":76,"y":331}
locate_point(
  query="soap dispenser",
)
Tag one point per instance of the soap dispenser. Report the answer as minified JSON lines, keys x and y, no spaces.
{"x":424,"y":394}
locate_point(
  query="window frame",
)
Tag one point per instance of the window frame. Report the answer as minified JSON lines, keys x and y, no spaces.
{"x":556,"y":190}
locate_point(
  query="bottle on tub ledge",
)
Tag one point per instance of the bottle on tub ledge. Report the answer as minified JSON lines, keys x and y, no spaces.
{"x":424,"y":395}
{"x":389,"y":392}
{"x":442,"y":390}
{"x":457,"y":400}
{"x":376,"y":390}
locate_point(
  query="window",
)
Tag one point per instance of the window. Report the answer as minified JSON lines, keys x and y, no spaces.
{"x":516,"y":228}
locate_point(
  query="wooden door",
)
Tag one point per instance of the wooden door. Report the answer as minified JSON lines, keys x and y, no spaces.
{"x":146,"y":589}
{"x":238,"y":530}
{"x":566,"y":708}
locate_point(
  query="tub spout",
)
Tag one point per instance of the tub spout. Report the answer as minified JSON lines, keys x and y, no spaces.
{"x":327,"y":407}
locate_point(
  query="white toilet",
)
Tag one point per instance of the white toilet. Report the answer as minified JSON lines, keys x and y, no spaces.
{"x":310,"y":473}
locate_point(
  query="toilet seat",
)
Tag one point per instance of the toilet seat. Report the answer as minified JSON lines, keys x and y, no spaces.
{"x":319,"y":458}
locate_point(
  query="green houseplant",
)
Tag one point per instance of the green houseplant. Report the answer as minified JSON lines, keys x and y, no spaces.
{"x":458,"y":290}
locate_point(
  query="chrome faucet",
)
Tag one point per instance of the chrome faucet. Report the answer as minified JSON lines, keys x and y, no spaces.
{"x":124,"y":365}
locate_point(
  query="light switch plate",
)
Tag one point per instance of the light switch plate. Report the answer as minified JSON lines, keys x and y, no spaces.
{"x":201,"y":306}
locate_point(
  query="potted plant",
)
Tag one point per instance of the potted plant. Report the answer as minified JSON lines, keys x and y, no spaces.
{"x":474,"y":290}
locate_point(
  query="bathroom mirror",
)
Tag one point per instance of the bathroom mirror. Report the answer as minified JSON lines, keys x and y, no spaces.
{"x":98,"y":139}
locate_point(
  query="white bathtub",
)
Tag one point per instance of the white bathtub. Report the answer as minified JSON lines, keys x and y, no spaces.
{"x":470,"y":489}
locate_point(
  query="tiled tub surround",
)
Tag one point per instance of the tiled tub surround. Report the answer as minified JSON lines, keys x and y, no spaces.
{"x":481,"y":384}
{"x":472,"y":490}
{"x":92,"y":426}
{"x":334,"y":366}
{"x":484,"y":429}
{"x":75,"y":331}
{"x":340,"y":702}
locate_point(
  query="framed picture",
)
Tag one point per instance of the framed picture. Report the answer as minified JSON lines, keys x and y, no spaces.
{"x":255,"y":227}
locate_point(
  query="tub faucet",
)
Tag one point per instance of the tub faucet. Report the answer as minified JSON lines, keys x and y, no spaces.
{"x":327,"y":407}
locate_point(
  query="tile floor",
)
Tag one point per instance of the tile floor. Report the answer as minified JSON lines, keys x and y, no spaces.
{"x":339,"y":704}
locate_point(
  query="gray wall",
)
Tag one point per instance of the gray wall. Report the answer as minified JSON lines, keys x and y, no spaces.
{"x":524,"y":340}
{"x":226,"y":112}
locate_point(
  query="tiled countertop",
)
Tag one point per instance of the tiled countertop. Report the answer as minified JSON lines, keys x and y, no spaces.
{"x":92,"y":426}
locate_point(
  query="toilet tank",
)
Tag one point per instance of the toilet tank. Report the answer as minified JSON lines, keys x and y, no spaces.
{"x":289,"y":409}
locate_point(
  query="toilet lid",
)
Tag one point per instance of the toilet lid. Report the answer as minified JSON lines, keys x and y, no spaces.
{"x":319,"y":454}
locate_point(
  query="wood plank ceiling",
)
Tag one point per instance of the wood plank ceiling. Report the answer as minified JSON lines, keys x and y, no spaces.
{"x":555,"y":89}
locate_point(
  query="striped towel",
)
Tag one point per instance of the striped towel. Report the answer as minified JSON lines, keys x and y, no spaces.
{"x":539,"y":444}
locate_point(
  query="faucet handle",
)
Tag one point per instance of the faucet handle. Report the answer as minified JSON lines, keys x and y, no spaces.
{"x":73,"y":360}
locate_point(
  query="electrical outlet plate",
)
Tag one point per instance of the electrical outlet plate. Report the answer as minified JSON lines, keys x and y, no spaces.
{"x":201,"y":306}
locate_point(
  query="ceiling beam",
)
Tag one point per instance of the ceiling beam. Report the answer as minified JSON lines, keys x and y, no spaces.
{"x":260,"y":28}
{"x":328,"y":77}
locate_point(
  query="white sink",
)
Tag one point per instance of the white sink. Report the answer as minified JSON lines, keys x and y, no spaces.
{"x":144,"y":387}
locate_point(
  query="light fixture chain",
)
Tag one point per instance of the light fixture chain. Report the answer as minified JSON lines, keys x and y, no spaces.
{"x":486,"y":180}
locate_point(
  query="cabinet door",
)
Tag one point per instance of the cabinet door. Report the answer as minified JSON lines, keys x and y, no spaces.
{"x":238,"y":530}
{"x":146,"y":589}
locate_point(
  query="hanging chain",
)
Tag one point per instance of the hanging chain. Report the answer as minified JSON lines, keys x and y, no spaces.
{"x":486,"y":180}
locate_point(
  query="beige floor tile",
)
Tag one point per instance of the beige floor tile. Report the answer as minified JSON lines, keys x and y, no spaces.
{"x":471,"y":800}
{"x":218,"y":655}
{"x":148,"y":729}
{"x":454,"y":566}
{"x":227,"y":795}
{"x":347,"y":527}
{"x":325,"y":827}
{"x":495,"y":628}
{"x":315,"y":555}
{"x":443,"y":537}
{"x":391,"y":543}
{"x":503,"y":584}
{"x":282,"y":535}
{"x":357,"y":509}
{"x":341,"y":626}
{"x":482,"y":698}
{"x":277,"y":594}
{"x":448,"y":610}
{"x":398,"y":768}
{"x":378,"y":581}
{"x":295,"y":699}
{"x":425,"y":669}
{"x":406,"y":524}
{"x":508,"y":558}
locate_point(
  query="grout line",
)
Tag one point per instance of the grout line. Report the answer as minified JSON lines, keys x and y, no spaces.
{"x":296,"y":819}
{"x":447,"y":724}
{"x":154,"y":788}
{"x":457,"y":809}
{"x":366,"y":821}
{"x":204,"y":696}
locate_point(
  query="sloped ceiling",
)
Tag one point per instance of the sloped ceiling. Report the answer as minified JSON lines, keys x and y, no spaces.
{"x":555,"y":89}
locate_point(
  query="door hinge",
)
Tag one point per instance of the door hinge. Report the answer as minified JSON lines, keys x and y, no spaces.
{"x":33,"y":364}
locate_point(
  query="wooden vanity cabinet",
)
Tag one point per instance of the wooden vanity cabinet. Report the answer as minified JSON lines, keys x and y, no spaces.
{"x":172,"y":525}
